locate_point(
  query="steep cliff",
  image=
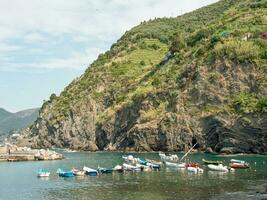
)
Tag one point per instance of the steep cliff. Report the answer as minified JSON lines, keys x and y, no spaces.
{"x":169,"y":83}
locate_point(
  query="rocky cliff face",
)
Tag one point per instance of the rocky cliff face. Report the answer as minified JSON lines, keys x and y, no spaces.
{"x":168,"y":84}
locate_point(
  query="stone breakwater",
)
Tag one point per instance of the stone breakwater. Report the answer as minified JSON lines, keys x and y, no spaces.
{"x":14,"y":153}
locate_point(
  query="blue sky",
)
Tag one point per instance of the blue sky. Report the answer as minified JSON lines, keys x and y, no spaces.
{"x":45,"y":44}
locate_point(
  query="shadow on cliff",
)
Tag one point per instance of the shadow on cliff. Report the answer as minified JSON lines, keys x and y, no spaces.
{"x":244,"y":134}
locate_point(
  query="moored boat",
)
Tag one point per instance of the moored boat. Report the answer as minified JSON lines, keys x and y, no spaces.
{"x":193,"y":164}
{"x":118,"y":168}
{"x":153,"y":166}
{"x":43,"y":173}
{"x":219,"y":167}
{"x":77,"y":172}
{"x":237,"y":161}
{"x":154,"y":162}
{"x":213,"y":162}
{"x":90,"y":171}
{"x":178,"y":165}
{"x":130,"y":167}
{"x":104,"y":170}
{"x":195,"y":169}
{"x":170,"y":158}
{"x":144,"y":168}
{"x":64,"y":173}
{"x":130,"y":159}
{"x":142,"y":162}
{"x":239,"y":165}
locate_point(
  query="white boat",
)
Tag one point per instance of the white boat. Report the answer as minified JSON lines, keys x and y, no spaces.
{"x":130,"y":159}
{"x":237,"y":161}
{"x":144,"y":168}
{"x":43,"y":173}
{"x":118,"y":168}
{"x":130,"y":167}
{"x":172,"y":158}
{"x":90,"y":171}
{"x":154,"y":162}
{"x":77,"y":172}
{"x":195,"y":170}
{"x":219,"y":168}
{"x":178,"y":165}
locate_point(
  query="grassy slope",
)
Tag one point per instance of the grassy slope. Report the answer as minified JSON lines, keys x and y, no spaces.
{"x":205,"y":37}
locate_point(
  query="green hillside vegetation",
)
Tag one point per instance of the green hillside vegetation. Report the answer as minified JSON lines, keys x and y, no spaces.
{"x":132,"y":66}
{"x":205,"y":62}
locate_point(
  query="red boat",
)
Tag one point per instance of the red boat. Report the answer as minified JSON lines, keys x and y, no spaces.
{"x":239,"y":165}
{"x":194,"y":164}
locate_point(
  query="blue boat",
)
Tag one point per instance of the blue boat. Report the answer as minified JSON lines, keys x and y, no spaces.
{"x":153,"y":166}
{"x":104,"y":170}
{"x":64,"y":173}
{"x":142,"y":162}
{"x":89,"y":171}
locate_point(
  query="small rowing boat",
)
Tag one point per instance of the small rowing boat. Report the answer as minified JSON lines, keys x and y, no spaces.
{"x":118,"y":168}
{"x":90,"y":171}
{"x":237,"y":161}
{"x":239,"y":165}
{"x":195,"y":170}
{"x":193,"y":164}
{"x":103,"y":170}
{"x":219,"y":168}
{"x":170,"y":158}
{"x":154,"y":162}
{"x":142,"y":162}
{"x":213,"y":162}
{"x":77,"y":172}
{"x":43,"y":173}
{"x":144,"y":168}
{"x":64,"y":173}
{"x":130,"y":167}
{"x":153,"y":166}
{"x":178,"y":165}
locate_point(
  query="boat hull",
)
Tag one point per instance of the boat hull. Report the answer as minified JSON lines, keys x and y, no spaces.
{"x":239,"y":166}
{"x":219,"y":168}
{"x":90,"y":172}
{"x":177,"y":165}
{"x":213,"y":162}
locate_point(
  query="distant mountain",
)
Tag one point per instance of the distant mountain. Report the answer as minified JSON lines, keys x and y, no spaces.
{"x":12,"y":121}
{"x":4,"y":114}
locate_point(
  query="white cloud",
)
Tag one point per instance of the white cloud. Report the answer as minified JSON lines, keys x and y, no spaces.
{"x":75,"y":61}
{"x":38,"y":22}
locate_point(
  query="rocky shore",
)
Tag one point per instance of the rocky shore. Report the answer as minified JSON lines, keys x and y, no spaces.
{"x":11,"y":153}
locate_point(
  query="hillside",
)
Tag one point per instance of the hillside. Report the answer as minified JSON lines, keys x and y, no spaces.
{"x":12,"y":121}
{"x":167,"y":84}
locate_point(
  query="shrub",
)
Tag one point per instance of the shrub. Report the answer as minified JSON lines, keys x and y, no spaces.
{"x":240,"y":51}
{"x":197,"y":36}
{"x":142,"y":63}
{"x":154,"y":46}
{"x":178,"y":43}
{"x":245,"y":102}
{"x":156,"y":82}
{"x":262,"y":104}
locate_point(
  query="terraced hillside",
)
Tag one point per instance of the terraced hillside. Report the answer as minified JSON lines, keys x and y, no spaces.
{"x":167,"y":84}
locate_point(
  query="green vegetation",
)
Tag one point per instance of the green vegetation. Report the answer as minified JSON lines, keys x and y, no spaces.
{"x":249,"y":102}
{"x":207,"y":51}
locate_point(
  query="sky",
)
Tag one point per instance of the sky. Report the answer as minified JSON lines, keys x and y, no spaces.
{"x":45,"y":44}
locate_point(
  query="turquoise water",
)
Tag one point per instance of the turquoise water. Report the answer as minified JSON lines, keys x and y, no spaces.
{"x":18,"y":180}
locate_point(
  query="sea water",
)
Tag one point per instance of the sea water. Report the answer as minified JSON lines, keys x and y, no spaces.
{"x":18,"y":180}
